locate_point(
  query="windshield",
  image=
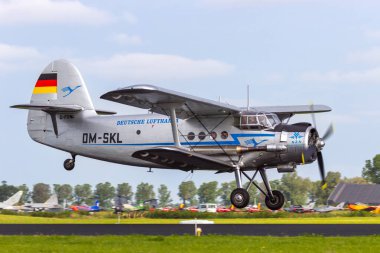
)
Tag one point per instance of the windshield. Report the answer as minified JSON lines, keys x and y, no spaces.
{"x":259,"y":121}
{"x":273,"y":119}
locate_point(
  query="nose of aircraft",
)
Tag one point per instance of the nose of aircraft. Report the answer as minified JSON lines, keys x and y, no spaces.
{"x":319,"y":144}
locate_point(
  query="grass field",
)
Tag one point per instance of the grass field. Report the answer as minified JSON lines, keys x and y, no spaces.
{"x":181,"y":244}
{"x":17,"y":219}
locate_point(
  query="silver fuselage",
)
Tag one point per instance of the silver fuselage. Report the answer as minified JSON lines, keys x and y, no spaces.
{"x":116,"y":138}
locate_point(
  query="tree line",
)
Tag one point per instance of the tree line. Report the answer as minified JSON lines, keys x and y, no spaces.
{"x":296,"y":189}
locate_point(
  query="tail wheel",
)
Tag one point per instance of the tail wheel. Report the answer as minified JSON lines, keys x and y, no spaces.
{"x":276,"y":202}
{"x":69,"y":164}
{"x":239,"y":198}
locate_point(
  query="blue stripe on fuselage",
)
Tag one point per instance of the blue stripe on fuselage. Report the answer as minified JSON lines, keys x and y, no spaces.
{"x":235,"y":142}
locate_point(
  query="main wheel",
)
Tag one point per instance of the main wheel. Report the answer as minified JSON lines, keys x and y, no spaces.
{"x":240,"y":197}
{"x":69,"y":164}
{"x":277,"y":202}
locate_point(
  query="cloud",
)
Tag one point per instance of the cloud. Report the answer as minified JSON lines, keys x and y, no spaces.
{"x":16,"y":57}
{"x":11,"y":52}
{"x":349,"y":118}
{"x":143,"y":67}
{"x":336,"y":76}
{"x":130,"y":18}
{"x":50,"y":11}
{"x":273,"y":78}
{"x":371,"y":55}
{"x":372,"y":33}
{"x":125,"y":39}
{"x":247,"y":3}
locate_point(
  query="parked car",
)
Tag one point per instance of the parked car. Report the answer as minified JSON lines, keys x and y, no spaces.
{"x":193,"y":209}
{"x":207,"y":207}
{"x":223,"y":209}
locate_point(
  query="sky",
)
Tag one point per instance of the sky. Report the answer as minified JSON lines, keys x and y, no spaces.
{"x":290,"y":52}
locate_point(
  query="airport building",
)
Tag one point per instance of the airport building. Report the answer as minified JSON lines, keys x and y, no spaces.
{"x":353,"y":193}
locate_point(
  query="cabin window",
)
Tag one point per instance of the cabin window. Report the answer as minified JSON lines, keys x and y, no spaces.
{"x":214,"y":135}
{"x":224,"y":135}
{"x":201,"y":135}
{"x":191,"y":136}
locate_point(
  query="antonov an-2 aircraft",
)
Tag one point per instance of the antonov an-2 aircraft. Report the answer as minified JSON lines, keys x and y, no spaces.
{"x":182,"y":131}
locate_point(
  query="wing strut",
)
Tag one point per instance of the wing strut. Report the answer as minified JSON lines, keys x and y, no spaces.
{"x":173,"y":119}
{"x":209,"y":133}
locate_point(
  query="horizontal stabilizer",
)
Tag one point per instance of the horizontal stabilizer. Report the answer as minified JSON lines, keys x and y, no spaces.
{"x":59,"y":108}
{"x":50,"y":108}
{"x":177,"y":158}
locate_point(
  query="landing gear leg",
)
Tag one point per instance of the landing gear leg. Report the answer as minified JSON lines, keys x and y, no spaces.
{"x":274,"y":200}
{"x":69,"y":164}
{"x":240,"y":196}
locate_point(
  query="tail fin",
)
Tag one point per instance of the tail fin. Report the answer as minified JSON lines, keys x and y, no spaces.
{"x":53,"y":200}
{"x":60,"y":83}
{"x":97,"y":203}
{"x":311,"y":205}
{"x":341,"y":205}
{"x":14,"y":199}
{"x":59,"y":89}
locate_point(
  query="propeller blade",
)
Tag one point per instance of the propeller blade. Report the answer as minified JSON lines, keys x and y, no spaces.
{"x":313,"y":116}
{"x":329,"y":132}
{"x":321,"y":166}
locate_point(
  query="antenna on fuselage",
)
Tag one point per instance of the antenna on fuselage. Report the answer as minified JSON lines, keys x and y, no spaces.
{"x":248,"y":97}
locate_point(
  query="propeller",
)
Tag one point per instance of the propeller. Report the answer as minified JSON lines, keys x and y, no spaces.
{"x":313,"y":116}
{"x":329,"y":132}
{"x":320,"y":144}
{"x":321,"y":166}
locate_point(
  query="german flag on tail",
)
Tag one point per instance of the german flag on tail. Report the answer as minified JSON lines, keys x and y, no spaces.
{"x":46,"y":83}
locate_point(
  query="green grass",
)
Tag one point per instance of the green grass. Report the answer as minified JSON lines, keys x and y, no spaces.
{"x":185,"y":244}
{"x":19,"y":219}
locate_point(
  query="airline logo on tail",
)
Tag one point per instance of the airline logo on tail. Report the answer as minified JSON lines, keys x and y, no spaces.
{"x":69,"y":90}
{"x":46,"y":83}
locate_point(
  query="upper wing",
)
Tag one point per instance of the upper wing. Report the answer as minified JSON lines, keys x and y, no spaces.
{"x":158,"y":100}
{"x":177,"y":158}
{"x":284,"y":112}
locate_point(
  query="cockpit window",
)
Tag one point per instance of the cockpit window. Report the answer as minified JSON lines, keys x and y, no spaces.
{"x":253,"y":120}
{"x":272,"y":120}
{"x":263,"y":120}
